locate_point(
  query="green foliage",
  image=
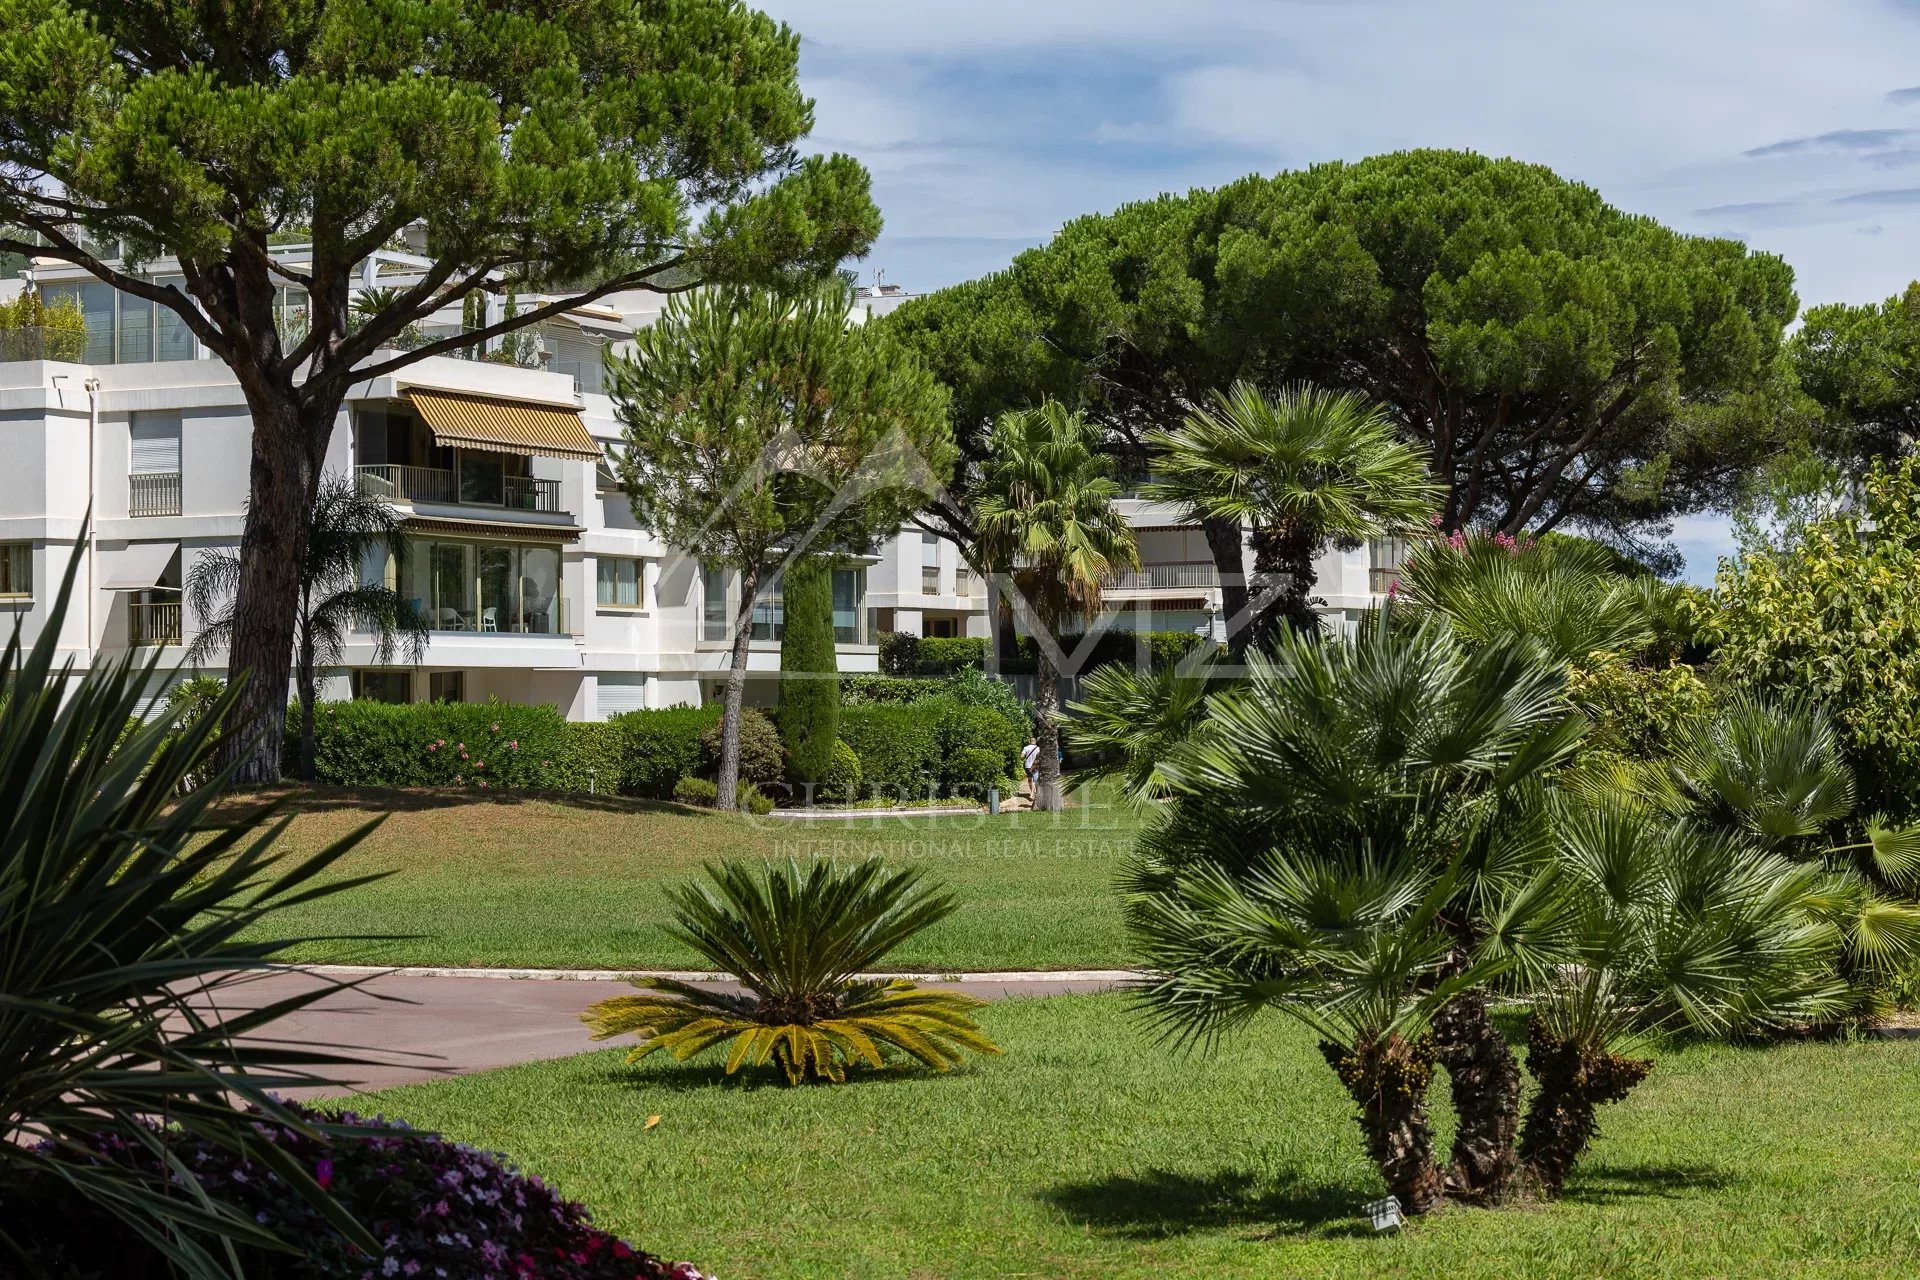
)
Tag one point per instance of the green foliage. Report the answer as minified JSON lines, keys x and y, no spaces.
{"x":32,"y":330}
{"x":864,"y":690}
{"x":661,"y":746}
{"x":762,"y":758}
{"x":187,"y":702}
{"x":1157,"y":649}
{"x":130,"y":911}
{"x":944,"y":655}
{"x":898,"y":747}
{"x":1490,"y":304}
{"x":1834,"y":617}
{"x":1635,"y":711}
{"x":594,"y":760}
{"x":753,"y":800}
{"x":809,"y":710}
{"x":899,"y":653}
{"x":971,"y":687}
{"x":841,"y":783}
{"x":964,"y":728}
{"x":796,"y":938}
{"x":484,"y":745}
{"x":1130,"y":722}
{"x":699,"y":791}
{"x":972,"y":770}
{"x":1861,"y":364}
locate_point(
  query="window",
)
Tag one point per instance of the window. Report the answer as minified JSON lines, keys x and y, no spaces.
{"x":942,"y":628}
{"x":962,"y":579}
{"x":929,"y":563}
{"x":1386,"y":557}
{"x":713,"y":605}
{"x":16,"y":568}
{"x":621,"y":582}
{"x":383,"y":686}
{"x":621,"y":693}
{"x":153,"y":464}
{"x":849,"y":595}
{"x":770,"y":612}
{"x":486,"y":586}
{"x":123,"y":329}
{"x":447,"y":686}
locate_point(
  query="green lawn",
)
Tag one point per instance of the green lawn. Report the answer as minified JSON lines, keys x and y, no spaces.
{"x":511,"y":881}
{"x":1086,"y":1152}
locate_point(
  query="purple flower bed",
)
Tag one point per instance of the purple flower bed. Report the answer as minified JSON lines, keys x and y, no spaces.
{"x":439,"y":1209}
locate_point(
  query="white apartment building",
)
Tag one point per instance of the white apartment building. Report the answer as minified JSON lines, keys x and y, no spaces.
{"x":526,"y":559}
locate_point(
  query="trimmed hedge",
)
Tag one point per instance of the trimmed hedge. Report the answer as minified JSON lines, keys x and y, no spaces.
{"x":659,"y":747}
{"x":485,"y":745}
{"x":903,"y":654}
{"x":763,"y":761}
{"x":972,"y":771}
{"x":871,"y":691}
{"x":1163,"y":649}
{"x":898,"y":748}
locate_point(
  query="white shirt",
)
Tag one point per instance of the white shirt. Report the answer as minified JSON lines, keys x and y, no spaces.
{"x":1030,"y":756}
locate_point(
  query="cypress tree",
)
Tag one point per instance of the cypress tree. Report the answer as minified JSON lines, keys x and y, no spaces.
{"x":809,"y":711}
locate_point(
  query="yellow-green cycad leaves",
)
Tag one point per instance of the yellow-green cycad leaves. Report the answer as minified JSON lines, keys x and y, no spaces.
{"x":797,"y":938}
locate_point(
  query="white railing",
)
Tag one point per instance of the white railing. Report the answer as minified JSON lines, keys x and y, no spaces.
{"x":1160,"y":577}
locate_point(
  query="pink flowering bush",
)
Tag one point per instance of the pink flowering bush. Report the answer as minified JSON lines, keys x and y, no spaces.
{"x":441,"y":1211}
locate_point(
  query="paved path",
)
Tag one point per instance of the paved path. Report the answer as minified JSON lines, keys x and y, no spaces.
{"x":416,"y":1025}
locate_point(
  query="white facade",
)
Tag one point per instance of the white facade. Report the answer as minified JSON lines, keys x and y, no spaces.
{"x":537,"y":581}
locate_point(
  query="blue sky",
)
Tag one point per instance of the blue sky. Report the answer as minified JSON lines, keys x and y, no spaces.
{"x":986,"y":124}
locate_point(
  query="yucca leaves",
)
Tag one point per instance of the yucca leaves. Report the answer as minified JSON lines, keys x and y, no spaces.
{"x":797,"y":937}
{"x":124,"y":903}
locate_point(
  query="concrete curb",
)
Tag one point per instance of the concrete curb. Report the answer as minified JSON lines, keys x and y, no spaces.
{"x":1115,"y":976}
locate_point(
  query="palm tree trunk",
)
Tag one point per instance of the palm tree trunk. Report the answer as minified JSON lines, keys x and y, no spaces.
{"x":729,"y":780}
{"x":1575,"y":1080}
{"x":1283,"y":562}
{"x":1229,"y":560}
{"x":1485,"y":1081}
{"x":1046,"y":689}
{"x":1388,"y":1078}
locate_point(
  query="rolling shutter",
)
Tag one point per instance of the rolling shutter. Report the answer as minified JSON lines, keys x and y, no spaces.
{"x":156,"y":444}
{"x":620,"y":693}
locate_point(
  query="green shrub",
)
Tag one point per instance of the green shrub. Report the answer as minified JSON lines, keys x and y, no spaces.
{"x":754,"y":800}
{"x":899,"y":652}
{"x":186,"y":703}
{"x":971,"y":770}
{"x":809,"y":710}
{"x":1634,"y":711}
{"x":595,"y":760}
{"x":841,"y":782}
{"x":659,"y":747}
{"x":964,"y":729}
{"x":762,"y":758}
{"x":944,"y":655}
{"x":700,"y":791}
{"x":898,"y":748}
{"x":441,"y":744}
{"x":974,"y":688}
{"x":870,"y":691}
{"x":1163,"y":648}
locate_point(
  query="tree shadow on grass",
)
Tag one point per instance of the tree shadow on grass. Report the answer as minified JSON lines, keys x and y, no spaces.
{"x":662,"y":1073}
{"x":1163,"y":1203}
{"x":294,"y":799}
{"x":1603,"y":1183}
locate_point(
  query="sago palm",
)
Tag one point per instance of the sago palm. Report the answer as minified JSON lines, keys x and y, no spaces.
{"x":348,"y":529}
{"x":1301,"y":468}
{"x":1403,"y":738}
{"x":1046,"y":519}
{"x":129,"y":911}
{"x":797,"y":939}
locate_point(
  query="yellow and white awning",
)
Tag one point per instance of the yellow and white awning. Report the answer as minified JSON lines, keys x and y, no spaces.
{"x":504,"y":426}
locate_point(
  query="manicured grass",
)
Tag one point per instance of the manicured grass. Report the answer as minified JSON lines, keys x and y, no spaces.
{"x":576,"y":883}
{"x":1085,"y":1151}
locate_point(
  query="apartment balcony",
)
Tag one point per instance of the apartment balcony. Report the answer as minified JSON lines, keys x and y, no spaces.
{"x":394,"y":483}
{"x":552,"y":619}
{"x":1189,"y":576}
{"x":153,"y":494}
{"x":153,"y":623}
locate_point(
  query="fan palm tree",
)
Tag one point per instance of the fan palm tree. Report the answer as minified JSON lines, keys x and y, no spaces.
{"x":1132,"y":720}
{"x":1403,"y":740}
{"x":1302,"y":468}
{"x":1045,"y":518}
{"x":129,"y":910}
{"x":1564,"y":594}
{"x":348,"y":530}
{"x":797,"y":940}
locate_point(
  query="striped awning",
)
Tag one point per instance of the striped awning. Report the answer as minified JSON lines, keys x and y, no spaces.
{"x":512,"y":530}
{"x":504,"y":426}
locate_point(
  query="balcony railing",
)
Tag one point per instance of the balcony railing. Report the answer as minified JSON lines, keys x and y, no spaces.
{"x":154,"y":494}
{"x":1165,"y":577}
{"x":435,"y":484}
{"x":555,"y":618}
{"x":153,"y":623}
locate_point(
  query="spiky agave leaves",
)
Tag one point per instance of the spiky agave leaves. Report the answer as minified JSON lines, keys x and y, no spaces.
{"x":797,"y":938}
{"x":864,"y":1023}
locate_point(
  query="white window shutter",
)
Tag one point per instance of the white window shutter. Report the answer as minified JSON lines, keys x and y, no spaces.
{"x":156,"y":444}
{"x":620,"y":693}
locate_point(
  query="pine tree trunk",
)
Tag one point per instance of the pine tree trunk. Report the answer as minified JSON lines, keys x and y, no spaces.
{"x":1484,"y":1077}
{"x":1046,"y":689}
{"x":304,"y":679}
{"x":729,"y":780}
{"x":288,"y":444}
{"x":1575,"y":1081}
{"x":1229,"y":560}
{"x":1388,"y":1079}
